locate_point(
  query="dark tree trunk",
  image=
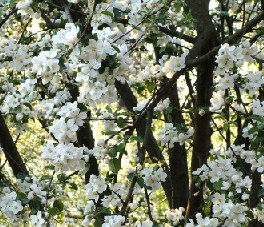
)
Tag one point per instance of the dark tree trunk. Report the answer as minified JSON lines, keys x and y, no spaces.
{"x":207,"y":40}
{"x":178,"y":158}
{"x":10,"y":150}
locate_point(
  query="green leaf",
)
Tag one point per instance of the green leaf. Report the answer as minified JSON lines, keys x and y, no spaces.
{"x":150,"y":86}
{"x":225,"y":126}
{"x":117,"y":15}
{"x":73,"y":186}
{"x":217,"y":185}
{"x":261,"y":193}
{"x":58,"y":204}
{"x":121,"y":148}
{"x":21,"y":176}
{"x":35,"y":205}
{"x":169,"y":109}
{"x":178,"y":6}
{"x":256,"y":117}
{"x":207,"y":211}
{"x":53,"y":211}
{"x":121,"y":123}
{"x":224,"y":14}
{"x":113,"y":152}
{"x":23,"y":198}
{"x":29,"y":106}
{"x":116,"y":48}
{"x":45,"y":177}
{"x":137,"y":138}
{"x":112,"y":133}
{"x":114,"y":165}
{"x":51,"y":167}
{"x":253,"y":129}
{"x":141,"y":182}
{"x":112,"y":61}
{"x":13,"y":2}
{"x":98,"y":222}
{"x":130,"y":176}
{"x":155,"y":224}
{"x":107,"y":13}
{"x":62,"y":177}
{"x":101,"y":70}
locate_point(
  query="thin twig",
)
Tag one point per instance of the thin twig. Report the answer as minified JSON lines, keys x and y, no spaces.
{"x":47,"y":196}
{"x":68,"y":14}
{"x":8,"y":16}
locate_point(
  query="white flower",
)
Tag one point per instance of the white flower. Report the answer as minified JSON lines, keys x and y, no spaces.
{"x":24,"y":4}
{"x":70,"y":110}
{"x":37,"y":220}
{"x":174,"y":64}
{"x":46,"y":65}
{"x":95,"y":187}
{"x":258,"y":108}
{"x":64,"y":156}
{"x":227,"y":81}
{"x":113,"y":221}
{"x":175,"y":215}
{"x":89,"y":207}
{"x":73,"y":1}
{"x":171,"y":135}
{"x":153,"y":177}
{"x":160,"y":175}
{"x":64,"y":131}
{"x":218,"y":198}
{"x":9,"y":205}
{"x":23,"y":7}
{"x":145,"y":224}
{"x":67,"y":36}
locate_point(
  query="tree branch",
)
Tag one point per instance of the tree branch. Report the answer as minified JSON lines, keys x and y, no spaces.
{"x":177,"y":34}
{"x":163,"y":91}
{"x":14,"y":10}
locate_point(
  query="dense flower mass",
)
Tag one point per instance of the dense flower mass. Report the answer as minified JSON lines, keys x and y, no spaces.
{"x":10,"y":206}
{"x":139,"y":113}
{"x":65,"y":156}
{"x":171,"y":135}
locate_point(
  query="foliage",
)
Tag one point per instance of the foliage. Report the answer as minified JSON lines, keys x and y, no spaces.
{"x":131,"y":113}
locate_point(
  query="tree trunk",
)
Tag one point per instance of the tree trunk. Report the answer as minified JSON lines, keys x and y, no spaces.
{"x":206,"y":40}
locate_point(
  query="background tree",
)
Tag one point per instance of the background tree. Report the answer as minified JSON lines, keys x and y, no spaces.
{"x":128,"y":95}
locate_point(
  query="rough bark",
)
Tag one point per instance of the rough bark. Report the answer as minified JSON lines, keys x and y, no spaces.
{"x":178,"y":159}
{"x":206,"y":41}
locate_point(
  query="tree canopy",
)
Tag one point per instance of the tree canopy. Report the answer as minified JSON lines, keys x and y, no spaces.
{"x":132,"y":113}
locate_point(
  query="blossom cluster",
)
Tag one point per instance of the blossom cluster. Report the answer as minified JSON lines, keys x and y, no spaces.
{"x":95,"y":187}
{"x":174,"y":64}
{"x":229,"y":185}
{"x":9,"y":204}
{"x":170,"y":135}
{"x":152,"y":177}
{"x":237,"y":56}
{"x":114,"y":220}
{"x":55,"y":69}
{"x":65,"y":157}
{"x":12,"y":201}
{"x":175,"y":215}
{"x":46,"y":66}
{"x":223,"y":171}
